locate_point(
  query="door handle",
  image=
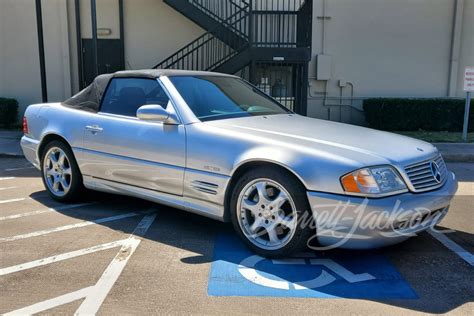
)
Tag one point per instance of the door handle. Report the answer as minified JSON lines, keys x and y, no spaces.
{"x":94,"y":128}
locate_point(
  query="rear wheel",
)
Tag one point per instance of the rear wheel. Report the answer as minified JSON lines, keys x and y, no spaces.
{"x":60,"y":173}
{"x":270,"y":212}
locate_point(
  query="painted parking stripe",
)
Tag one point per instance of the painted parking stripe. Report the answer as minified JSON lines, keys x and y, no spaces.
{"x":40,"y":195}
{"x":14,"y":200}
{"x":95,"y":295}
{"x":21,"y":168}
{"x":67,"y":227}
{"x":6,"y":178}
{"x":92,"y":303}
{"x":451,"y":245}
{"x":47,"y":210}
{"x":51,"y":303}
{"x":61,"y":257}
{"x":8,"y":188}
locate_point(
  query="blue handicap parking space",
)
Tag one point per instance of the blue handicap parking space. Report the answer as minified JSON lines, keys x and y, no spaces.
{"x":237,"y":271}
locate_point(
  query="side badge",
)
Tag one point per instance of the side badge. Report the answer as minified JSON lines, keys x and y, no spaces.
{"x":419,"y":149}
{"x":212,"y":168}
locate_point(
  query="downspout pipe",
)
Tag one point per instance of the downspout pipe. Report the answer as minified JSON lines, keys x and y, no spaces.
{"x":455,"y":47}
{"x":122,"y":35}
{"x":39,"y":24}
{"x":94,"y":37}
{"x":80,"y":67}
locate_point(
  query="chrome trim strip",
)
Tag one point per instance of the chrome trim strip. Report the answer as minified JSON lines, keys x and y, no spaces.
{"x":130,"y":158}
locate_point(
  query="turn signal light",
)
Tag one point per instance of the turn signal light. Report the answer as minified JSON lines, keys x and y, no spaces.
{"x":349,"y":183}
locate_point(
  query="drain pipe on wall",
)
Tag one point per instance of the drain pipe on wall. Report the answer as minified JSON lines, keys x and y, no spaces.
{"x":455,"y":47}
{"x":323,"y":50}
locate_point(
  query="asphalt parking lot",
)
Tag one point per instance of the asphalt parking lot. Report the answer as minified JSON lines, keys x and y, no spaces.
{"x":114,"y":254}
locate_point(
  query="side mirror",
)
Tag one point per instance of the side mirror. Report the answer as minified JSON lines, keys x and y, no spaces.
{"x":155,"y":113}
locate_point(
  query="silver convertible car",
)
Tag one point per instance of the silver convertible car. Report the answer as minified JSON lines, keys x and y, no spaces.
{"x":215,"y":145}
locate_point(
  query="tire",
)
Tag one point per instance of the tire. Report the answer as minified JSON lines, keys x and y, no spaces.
{"x":61,"y":176}
{"x":254,"y":221}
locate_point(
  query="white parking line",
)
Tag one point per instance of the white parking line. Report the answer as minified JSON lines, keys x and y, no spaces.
{"x":95,"y":295}
{"x":47,"y":210}
{"x":8,"y":188}
{"x":14,"y":200}
{"x":67,"y":227}
{"x":451,"y":245}
{"x":6,"y":178}
{"x":61,"y":257}
{"x":48,"y":304}
{"x":21,"y":168}
{"x":94,"y":300}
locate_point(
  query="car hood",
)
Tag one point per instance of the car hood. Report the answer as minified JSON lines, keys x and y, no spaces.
{"x":362,"y":144}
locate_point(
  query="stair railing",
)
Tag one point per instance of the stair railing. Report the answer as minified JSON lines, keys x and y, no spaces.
{"x":277,"y":23}
{"x":224,"y":12}
{"x":209,"y":50}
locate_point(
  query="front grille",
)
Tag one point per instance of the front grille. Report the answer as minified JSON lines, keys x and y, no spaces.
{"x":423,"y":176}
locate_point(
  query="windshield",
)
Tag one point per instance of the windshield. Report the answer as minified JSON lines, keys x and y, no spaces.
{"x":216,"y":97}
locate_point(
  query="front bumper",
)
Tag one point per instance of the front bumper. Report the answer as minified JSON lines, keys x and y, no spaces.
{"x":30,"y":148}
{"x":362,"y":223}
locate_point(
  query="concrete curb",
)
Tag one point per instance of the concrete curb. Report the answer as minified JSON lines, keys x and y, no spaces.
{"x":456,"y":152}
{"x":458,"y":157}
{"x":11,"y":155}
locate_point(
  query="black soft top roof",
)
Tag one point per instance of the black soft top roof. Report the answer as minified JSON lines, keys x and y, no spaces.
{"x":89,"y":98}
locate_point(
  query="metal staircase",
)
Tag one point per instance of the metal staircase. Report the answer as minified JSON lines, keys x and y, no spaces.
{"x":251,"y":37}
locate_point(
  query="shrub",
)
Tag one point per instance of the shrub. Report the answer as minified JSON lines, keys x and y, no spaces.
{"x":417,"y":114}
{"x":8,"y":112}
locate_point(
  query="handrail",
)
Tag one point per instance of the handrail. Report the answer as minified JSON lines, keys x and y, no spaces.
{"x":223,"y":52}
{"x":227,"y":21}
{"x":248,"y":24}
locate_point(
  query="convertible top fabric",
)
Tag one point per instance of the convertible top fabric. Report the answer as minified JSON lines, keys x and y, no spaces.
{"x":89,"y":98}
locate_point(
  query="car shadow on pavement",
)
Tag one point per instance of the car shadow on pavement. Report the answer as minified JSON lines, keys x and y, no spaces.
{"x":441,"y":279}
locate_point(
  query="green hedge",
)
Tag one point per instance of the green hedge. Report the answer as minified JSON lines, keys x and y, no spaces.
{"x":417,"y":114}
{"x":8,"y":112}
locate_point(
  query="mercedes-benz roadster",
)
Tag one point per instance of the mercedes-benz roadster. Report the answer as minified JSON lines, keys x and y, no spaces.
{"x":215,"y":145}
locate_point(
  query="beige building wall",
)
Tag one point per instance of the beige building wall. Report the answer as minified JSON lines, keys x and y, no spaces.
{"x":466,"y":58}
{"x":19,"y":61}
{"x":153,"y":30}
{"x":384,"y":47}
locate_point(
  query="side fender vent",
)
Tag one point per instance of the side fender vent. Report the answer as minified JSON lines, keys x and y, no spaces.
{"x":205,"y":187}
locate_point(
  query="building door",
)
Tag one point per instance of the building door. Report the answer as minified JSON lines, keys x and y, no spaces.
{"x":109,"y":58}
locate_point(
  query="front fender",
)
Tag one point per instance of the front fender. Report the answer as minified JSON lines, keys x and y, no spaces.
{"x":222,"y":152}
{"x":316,"y":172}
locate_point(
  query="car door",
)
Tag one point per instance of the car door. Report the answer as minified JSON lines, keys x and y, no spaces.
{"x":121,"y":148}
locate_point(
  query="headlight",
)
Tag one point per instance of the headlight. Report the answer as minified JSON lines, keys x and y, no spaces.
{"x":382,"y":180}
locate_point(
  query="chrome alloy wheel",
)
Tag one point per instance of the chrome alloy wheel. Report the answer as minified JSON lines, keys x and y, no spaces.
{"x":267,"y":214}
{"x":57,"y":171}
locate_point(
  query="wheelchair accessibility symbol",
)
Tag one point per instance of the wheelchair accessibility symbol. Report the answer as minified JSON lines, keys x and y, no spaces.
{"x":247,"y":270}
{"x":237,"y":271}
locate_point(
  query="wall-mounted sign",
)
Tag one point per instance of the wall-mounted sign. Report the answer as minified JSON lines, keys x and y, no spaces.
{"x":468,"y":87}
{"x":469,"y":79}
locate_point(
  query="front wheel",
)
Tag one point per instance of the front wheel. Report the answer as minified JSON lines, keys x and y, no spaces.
{"x":271,"y":213}
{"x":60,"y":173}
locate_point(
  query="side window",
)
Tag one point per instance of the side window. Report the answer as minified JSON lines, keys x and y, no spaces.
{"x":125,"y":95}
